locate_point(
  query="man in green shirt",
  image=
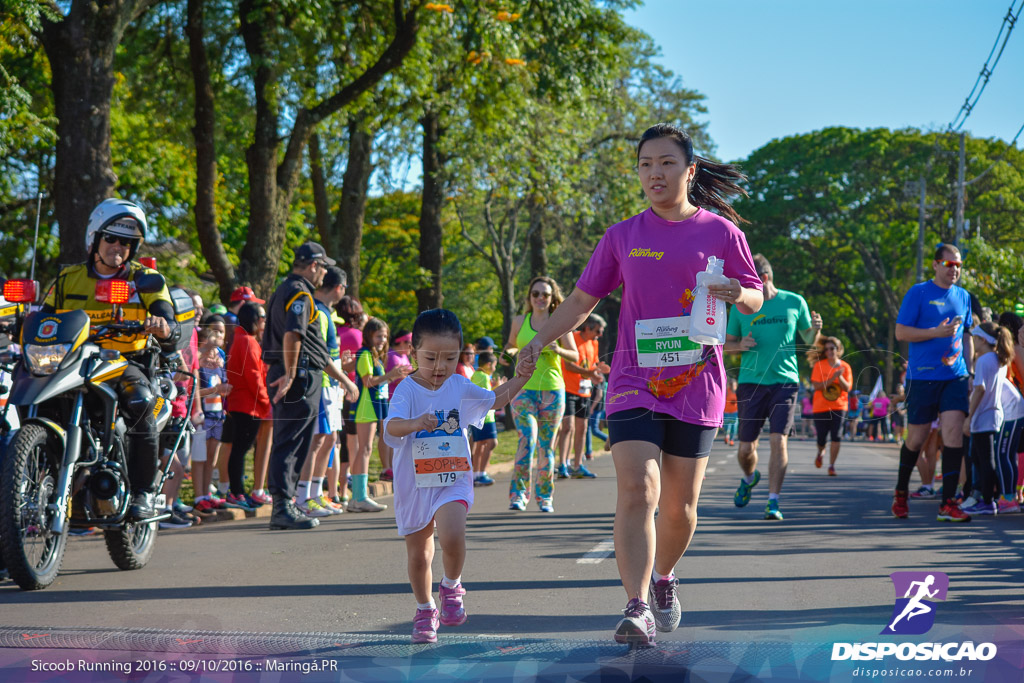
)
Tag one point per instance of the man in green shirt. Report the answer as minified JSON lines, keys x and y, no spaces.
{"x":768,"y":381}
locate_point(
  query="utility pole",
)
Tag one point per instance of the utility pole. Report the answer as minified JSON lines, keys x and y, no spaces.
{"x":959,"y":218}
{"x":920,"y":229}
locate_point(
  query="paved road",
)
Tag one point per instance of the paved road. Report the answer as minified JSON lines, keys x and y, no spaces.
{"x":821,"y":575}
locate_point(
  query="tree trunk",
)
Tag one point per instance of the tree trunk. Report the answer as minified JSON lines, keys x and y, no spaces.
{"x":321,"y":204}
{"x":432,"y":201}
{"x":348,"y":224}
{"x":80,"y":48}
{"x":538,"y":241}
{"x":206,"y":154}
{"x":265,"y":236}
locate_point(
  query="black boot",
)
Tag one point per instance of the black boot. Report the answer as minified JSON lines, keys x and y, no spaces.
{"x":141,"y":507}
{"x":287,"y":516}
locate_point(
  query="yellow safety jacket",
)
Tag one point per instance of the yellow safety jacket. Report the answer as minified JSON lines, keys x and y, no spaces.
{"x":75,"y":289}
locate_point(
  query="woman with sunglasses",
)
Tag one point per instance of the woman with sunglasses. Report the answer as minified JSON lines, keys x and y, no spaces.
{"x":539,"y":407}
{"x":831,"y":379}
{"x":666,"y":394}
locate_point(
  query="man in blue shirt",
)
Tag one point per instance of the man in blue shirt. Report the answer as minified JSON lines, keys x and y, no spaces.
{"x":935,"y":318}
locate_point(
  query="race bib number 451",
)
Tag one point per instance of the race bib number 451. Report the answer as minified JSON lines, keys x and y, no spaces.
{"x":662,"y":342}
{"x":440,"y":460}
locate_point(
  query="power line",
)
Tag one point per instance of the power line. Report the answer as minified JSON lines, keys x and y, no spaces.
{"x":1002,"y":156}
{"x":1009,"y":21}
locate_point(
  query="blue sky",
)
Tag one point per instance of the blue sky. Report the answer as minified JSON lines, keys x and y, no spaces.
{"x":773,"y":68}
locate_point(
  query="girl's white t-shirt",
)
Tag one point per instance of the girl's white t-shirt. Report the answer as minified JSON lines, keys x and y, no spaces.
{"x":1001,"y":401}
{"x":457,"y":404}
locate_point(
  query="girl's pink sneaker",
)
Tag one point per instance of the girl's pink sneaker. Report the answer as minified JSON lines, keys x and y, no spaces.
{"x":453,"y":613}
{"x":424,"y":626}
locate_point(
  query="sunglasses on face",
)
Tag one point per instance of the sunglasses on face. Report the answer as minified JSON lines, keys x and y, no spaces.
{"x":541,"y":295}
{"x":111,"y":239}
{"x":949,"y":264}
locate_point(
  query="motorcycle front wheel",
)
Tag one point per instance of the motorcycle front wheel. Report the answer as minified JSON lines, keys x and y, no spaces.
{"x":131,"y":545}
{"x":32,"y":552}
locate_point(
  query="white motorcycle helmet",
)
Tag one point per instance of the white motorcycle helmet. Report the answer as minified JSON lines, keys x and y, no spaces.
{"x":116,"y":217}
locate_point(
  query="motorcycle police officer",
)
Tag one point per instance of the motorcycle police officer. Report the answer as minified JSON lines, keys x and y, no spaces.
{"x":115,"y":231}
{"x":296,"y":356}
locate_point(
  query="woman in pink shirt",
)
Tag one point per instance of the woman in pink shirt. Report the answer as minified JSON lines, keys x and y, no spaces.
{"x":666,"y":394}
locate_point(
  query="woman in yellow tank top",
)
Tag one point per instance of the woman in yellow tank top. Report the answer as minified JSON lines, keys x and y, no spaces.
{"x":538,"y":408}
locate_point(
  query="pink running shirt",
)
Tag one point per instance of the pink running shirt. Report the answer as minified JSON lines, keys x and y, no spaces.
{"x":657,"y":262}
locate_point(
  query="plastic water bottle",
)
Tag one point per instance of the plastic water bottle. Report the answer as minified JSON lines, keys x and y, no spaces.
{"x":707,"y":316}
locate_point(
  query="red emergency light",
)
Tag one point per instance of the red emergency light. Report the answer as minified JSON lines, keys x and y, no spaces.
{"x":148,"y":261}
{"x":21,"y":291}
{"x":113,"y":291}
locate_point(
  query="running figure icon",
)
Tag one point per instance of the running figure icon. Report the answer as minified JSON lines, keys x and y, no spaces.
{"x":915,"y":607}
{"x":916,"y":593}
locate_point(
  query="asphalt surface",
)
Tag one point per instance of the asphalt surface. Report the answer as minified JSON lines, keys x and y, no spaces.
{"x":821,"y":575}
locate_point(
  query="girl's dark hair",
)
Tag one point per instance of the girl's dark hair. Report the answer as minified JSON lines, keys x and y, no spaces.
{"x":212,"y":318}
{"x":372,"y":327}
{"x":1012,"y":322}
{"x":713,"y":182}
{"x":1004,"y":343}
{"x":397,"y":334}
{"x":817,"y":350}
{"x":556,"y":294}
{"x":352,"y":311}
{"x":436,"y":322}
{"x":248,"y":315}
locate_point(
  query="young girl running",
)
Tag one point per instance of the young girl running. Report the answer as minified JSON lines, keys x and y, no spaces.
{"x":427,"y":426}
{"x":371,"y":408}
{"x":994,"y":421}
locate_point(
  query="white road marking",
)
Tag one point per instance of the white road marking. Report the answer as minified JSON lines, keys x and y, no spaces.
{"x":598,"y":552}
{"x":709,"y":470}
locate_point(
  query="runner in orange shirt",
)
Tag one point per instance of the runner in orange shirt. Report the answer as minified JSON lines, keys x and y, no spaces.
{"x":832,"y":379}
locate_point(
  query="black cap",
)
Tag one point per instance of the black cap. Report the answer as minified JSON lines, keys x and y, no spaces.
{"x":311,"y":251}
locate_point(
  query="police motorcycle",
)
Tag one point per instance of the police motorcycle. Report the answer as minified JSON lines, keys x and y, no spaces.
{"x":67,"y":466}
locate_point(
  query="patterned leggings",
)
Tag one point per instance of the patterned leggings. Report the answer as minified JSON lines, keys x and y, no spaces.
{"x":538,"y":415}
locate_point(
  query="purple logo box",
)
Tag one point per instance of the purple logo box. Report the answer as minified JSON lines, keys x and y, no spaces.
{"x":916,"y":593}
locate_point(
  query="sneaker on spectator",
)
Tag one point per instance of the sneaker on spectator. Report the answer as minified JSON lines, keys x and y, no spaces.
{"x":453,"y":613}
{"x":949,"y":512}
{"x":329,"y":505}
{"x":518,"y":504}
{"x":204,"y":506}
{"x":545,"y":505}
{"x":312,"y":508}
{"x":980,"y":508}
{"x":1007,"y":507}
{"x":175,"y":521}
{"x":899,"y":505}
{"x":262,"y":498}
{"x":181,"y":508}
{"x":88,"y":531}
{"x":484,"y":479}
{"x":637,"y":626}
{"x":238,"y":502}
{"x":218,"y":503}
{"x":387,"y":475}
{"x":665,"y":604}
{"x":968,"y":502}
{"x":923,"y":492}
{"x":424,"y":626}
{"x":562,"y":472}
{"x":252,"y":502}
{"x":582,"y":472}
{"x":368,"y":505}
